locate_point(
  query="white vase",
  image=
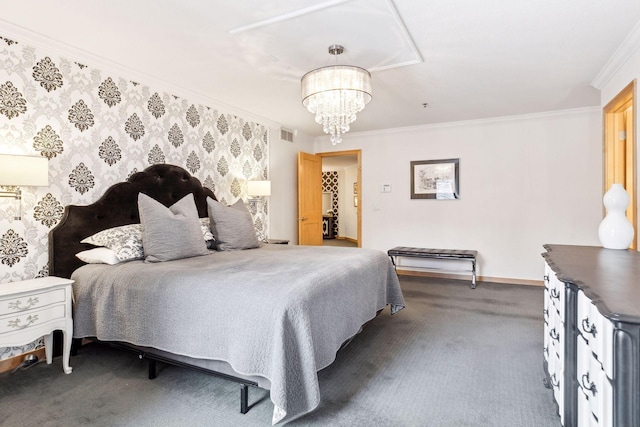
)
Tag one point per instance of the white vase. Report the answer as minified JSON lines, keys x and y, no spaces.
{"x":615,"y":231}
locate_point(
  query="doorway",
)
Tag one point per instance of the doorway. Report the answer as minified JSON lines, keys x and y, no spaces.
{"x":341,"y":216}
{"x":620,"y":149}
{"x":340,"y":193}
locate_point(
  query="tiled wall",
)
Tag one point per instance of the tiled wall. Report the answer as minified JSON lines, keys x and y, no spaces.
{"x":96,"y":129}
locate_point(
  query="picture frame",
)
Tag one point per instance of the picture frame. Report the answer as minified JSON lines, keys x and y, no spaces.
{"x":435,"y":179}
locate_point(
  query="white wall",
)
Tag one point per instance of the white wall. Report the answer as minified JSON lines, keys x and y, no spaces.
{"x":348,"y":225}
{"x":283,"y":170}
{"x":524,"y":181}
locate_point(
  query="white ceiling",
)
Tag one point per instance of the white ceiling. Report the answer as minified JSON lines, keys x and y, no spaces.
{"x":468,"y":59}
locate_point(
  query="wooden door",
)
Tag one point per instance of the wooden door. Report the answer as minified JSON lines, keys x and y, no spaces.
{"x":309,"y":199}
{"x":620,"y":150}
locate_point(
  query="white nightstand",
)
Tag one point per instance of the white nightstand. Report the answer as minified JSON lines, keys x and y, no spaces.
{"x":34,"y":308}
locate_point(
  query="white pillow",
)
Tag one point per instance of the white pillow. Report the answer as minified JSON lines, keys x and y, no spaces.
{"x":98,"y":256}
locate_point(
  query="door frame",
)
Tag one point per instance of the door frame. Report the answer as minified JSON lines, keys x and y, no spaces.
{"x":611,"y":118}
{"x":358,"y":154}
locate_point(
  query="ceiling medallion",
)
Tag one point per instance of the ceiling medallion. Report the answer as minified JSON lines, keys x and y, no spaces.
{"x":335,"y":94}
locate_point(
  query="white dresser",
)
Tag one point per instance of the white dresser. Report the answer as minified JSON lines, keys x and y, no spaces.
{"x":592,"y":334}
{"x":34,"y":308}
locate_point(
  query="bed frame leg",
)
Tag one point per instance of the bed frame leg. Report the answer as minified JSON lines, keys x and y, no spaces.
{"x":76,"y":343}
{"x":244,"y":398}
{"x":152,"y":369}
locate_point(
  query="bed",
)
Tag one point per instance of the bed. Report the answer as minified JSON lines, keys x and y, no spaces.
{"x":270,"y":317}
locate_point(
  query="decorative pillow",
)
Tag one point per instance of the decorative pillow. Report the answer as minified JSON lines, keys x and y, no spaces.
{"x":125,"y":241}
{"x":170,"y":233}
{"x":207,"y":234}
{"x":232,"y":226}
{"x":99,"y":255}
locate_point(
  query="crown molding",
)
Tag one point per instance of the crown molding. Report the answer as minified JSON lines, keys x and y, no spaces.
{"x":629,"y":46}
{"x":41,"y":41}
{"x":491,"y":120}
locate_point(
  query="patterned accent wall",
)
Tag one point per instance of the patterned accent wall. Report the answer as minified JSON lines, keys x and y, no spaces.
{"x":330,"y":182}
{"x":97,"y":129}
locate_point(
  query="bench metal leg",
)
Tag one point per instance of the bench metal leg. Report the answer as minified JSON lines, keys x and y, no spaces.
{"x":244,"y":398}
{"x":153,"y":373}
{"x":473,"y":274}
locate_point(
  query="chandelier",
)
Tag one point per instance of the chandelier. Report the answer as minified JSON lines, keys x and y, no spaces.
{"x":335,"y":94}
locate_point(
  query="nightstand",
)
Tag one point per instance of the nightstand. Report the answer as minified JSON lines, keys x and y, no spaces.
{"x":34,"y":308}
{"x":278,"y":241}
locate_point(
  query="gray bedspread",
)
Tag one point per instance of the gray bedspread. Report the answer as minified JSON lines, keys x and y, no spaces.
{"x":280,"y":312}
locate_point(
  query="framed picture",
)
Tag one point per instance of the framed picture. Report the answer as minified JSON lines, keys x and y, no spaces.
{"x":435,"y":179}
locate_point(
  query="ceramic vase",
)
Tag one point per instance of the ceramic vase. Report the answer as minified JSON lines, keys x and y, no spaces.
{"x":615,"y":231}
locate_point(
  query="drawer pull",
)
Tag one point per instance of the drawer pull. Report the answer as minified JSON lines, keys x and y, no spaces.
{"x":16,"y":323}
{"x":16,"y":305}
{"x":554,"y":294}
{"x":545,"y":312}
{"x":546,"y":278}
{"x":587,"y":385}
{"x":588,"y":327}
{"x":554,"y":334}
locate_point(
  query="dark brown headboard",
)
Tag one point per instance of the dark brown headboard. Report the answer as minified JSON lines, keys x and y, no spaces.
{"x":119,"y":206}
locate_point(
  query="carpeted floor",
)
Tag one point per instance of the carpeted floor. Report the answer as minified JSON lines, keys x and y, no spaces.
{"x":454,"y":357}
{"x":339,"y":242}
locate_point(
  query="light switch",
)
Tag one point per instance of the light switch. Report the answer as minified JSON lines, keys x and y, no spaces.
{"x":385,"y":188}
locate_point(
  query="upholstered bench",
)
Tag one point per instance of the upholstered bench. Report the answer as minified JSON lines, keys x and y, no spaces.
{"x":443,"y":254}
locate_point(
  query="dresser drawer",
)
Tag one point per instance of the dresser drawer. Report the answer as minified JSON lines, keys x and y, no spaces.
{"x":29,"y":319}
{"x":557,"y":295}
{"x":597,"y":332}
{"x":31,"y":301}
{"x":594,"y":384}
{"x":585,"y":417}
{"x":545,"y":310}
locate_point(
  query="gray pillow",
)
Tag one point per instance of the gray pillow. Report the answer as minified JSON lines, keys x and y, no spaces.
{"x":232,"y":226}
{"x":170,"y":233}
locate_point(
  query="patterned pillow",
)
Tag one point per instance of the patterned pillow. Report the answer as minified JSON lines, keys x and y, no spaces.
{"x":126,"y":241}
{"x":207,"y":234}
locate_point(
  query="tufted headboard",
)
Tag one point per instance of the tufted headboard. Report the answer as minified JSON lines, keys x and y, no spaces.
{"x":119,"y":206}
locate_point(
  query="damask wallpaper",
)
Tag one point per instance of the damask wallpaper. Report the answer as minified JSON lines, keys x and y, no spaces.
{"x":330,"y":181}
{"x":97,"y":129}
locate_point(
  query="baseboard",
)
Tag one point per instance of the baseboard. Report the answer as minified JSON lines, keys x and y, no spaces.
{"x":15,"y":361}
{"x":405,"y":272}
{"x":348,"y":239}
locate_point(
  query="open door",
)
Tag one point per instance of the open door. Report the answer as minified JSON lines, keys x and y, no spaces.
{"x":620,"y":149}
{"x":309,"y":199}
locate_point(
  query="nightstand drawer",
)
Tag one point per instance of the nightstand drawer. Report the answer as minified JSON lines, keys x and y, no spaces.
{"x":32,"y":318}
{"x":31,"y":301}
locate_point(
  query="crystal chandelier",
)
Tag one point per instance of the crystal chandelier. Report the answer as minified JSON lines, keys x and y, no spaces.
{"x":335,"y":94}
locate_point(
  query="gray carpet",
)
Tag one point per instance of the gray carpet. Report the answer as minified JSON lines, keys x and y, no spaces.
{"x":454,"y":357}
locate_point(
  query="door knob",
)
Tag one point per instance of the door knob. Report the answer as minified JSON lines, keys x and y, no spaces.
{"x":302,"y":219}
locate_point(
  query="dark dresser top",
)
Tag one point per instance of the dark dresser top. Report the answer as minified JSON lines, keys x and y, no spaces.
{"x":609,"y":277}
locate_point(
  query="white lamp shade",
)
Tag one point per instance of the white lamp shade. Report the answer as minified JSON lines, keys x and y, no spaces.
{"x":259,"y":188}
{"x":24,"y":171}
